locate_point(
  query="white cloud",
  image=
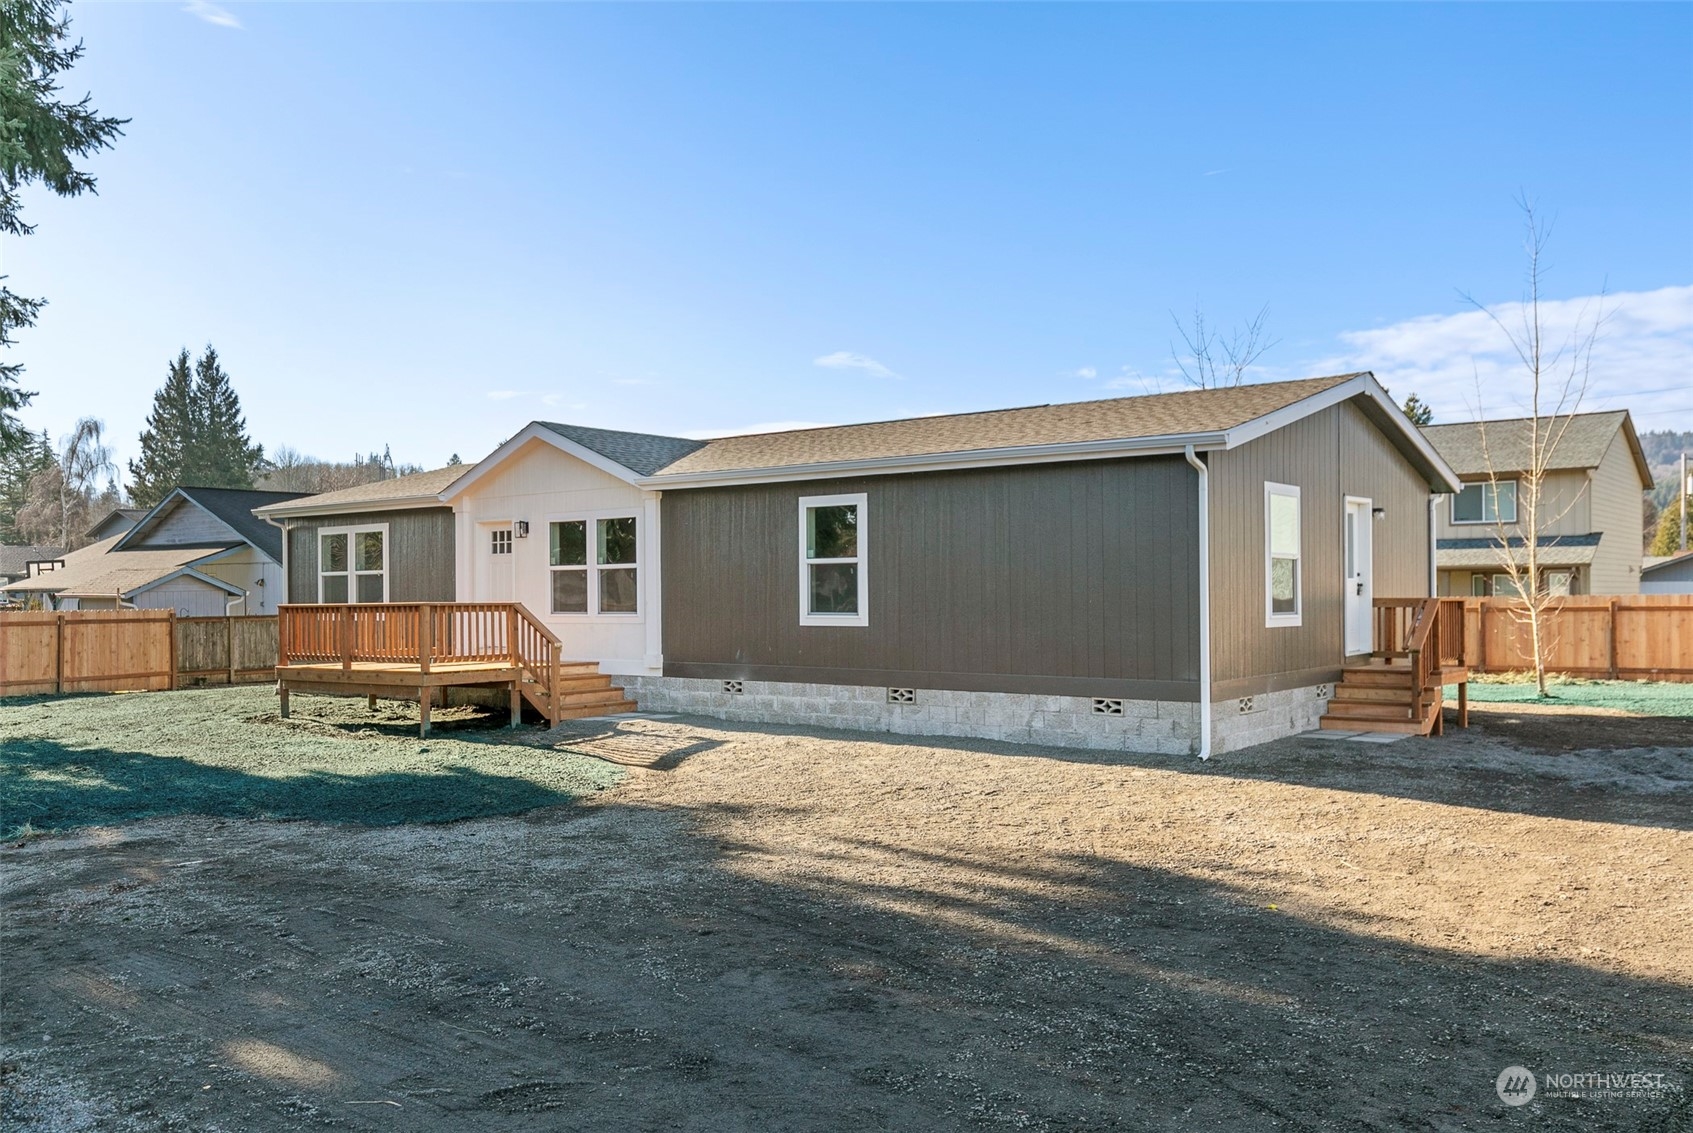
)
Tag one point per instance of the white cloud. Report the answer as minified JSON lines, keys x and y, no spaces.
{"x":1463,"y":363}
{"x":505,"y":394}
{"x":764,"y":427}
{"x":1085,"y":373}
{"x":847,"y":360}
{"x":211,"y":13}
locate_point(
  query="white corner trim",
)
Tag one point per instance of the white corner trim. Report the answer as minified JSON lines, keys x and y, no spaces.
{"x":861,"y":501}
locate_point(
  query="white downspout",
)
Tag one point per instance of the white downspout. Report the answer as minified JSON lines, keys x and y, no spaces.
{"x":1433,"y":527}
{"x":1204,"y":602}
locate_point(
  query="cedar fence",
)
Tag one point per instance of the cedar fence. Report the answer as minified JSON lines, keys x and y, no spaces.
{"x":1627,"y":637}
{"x":130,"y":650}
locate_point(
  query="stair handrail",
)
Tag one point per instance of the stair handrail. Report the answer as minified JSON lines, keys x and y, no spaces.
{"x":1423,"y":645}
{"x":539,"y":657}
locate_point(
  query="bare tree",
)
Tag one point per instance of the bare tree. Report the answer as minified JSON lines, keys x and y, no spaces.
{"x":1557,"y":371}
{"x":65,"y":498}
{"x":1210,"y":359}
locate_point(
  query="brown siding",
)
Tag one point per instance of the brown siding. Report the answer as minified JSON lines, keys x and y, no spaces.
{"x":1077,"y":579}
{"x":420,"y":553}
{"x":1329,"y":455}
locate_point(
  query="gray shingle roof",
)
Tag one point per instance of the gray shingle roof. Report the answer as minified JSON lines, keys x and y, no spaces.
{"x":417,"y":485}
{"x":641,"y":453}
{"x":15,"y":557}
{"x":1582,"y":443}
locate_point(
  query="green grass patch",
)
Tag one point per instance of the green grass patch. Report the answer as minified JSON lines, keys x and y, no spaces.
{"x":1644,"y":698}
{"x":95,"y":760}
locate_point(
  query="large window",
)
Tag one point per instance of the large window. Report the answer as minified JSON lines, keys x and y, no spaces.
{"x":834,"y":583}
{"x":1486,"y":503}
{"x":352,"y":564}
{"x":594,"y":565}
{"x":1283,"y":583}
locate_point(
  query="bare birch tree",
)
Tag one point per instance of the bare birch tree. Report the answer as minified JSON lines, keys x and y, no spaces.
{"x":1556,"y":371}
{"x":64,"y":498}
{"x":1211,"y":359}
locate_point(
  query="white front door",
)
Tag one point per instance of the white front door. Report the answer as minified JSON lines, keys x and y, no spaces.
{"x":494,"y":559}
{"x":1359,"y":579}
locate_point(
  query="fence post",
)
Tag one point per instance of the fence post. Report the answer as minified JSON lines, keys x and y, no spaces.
{"x":1612,"y":634}
{"x":425,"y":635}
{"x":170,"y":628}
{"x":59,"y":654}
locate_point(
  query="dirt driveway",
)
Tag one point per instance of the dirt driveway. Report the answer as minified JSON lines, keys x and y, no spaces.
{"x":789,"y":930}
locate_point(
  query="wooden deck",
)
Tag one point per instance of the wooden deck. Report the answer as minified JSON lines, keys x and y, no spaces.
{"x":415,"y":651}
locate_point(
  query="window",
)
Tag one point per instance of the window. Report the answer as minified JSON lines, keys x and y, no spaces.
{"x":500,"y":541}
{"x":834,"y":584}
{"x":1504,"y":586}
{"x":1558,"y":583}
{"x":352,"y":564}
{"x":1282,"y":582}
{"x":608,"y":583}
{"x":1486,"y":503}
{"x":1478,"y":585}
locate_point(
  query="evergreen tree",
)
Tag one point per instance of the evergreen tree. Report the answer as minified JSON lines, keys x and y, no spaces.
{"x":224,"y":456}
{"x":39,"y":140}
{"x":19,"y":465}
{"x":1668,"y":539}
{"x":1418,"y":411}
{"x":168,"y":443}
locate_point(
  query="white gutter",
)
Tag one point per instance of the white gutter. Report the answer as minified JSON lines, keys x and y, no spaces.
{"x":1204,"y":602}
{"x":1433,"y":526}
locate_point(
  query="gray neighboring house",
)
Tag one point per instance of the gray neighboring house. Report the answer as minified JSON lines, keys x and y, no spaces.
{"x":386,"y":541}
{"x":17,"y":560}
{"x":1591,"y":517}
{"x":1670,"y":574}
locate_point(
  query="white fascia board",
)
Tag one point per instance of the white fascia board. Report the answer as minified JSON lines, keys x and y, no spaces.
{"x":275,"y":512}
{"x":535,"y":431}
{"x":1364,"y":385}
{"x":1168,"y":445}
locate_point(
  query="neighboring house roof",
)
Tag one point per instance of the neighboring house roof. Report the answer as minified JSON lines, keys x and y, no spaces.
{"x":231,"y":506}
{"x":16,"y":557}
{"x":100,"y":570}
{"x":1668,"y":566}
{"x":1485,"y":554}
{"x":1582,"y":443}
{"x":414,"y":490}
{"x":1127,"y":426}
{"x":116,"y":522}
{"x":642,"y":453}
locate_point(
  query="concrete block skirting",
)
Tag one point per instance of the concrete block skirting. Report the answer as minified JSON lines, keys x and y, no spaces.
{"x":1162,"y":726}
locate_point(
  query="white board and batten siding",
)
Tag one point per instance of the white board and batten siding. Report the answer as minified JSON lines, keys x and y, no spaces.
{"x":541,"y":485}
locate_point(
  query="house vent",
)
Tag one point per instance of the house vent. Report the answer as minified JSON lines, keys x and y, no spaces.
{"x":902,"y":696}
{"x":1107,"y":706}
{"x":733,"y":686}
{"x":1245,"y":705}
{"x":1322,"y":692}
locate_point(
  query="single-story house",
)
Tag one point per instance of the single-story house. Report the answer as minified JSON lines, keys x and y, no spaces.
{"x":199,"y":551}
{"x":1667,"y":574}
{"x":1180,"y":572}
{"x":1592,"y":508}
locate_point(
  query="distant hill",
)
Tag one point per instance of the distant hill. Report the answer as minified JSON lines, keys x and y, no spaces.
{"x":1663,"y":450}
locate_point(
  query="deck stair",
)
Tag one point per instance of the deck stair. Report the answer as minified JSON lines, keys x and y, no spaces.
{"x":1400,"y":687}
{"x":580,"y":689}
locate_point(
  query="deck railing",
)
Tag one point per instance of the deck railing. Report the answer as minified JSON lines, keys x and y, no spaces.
{"x":1395,"y":620}
{"x":425,"y":634}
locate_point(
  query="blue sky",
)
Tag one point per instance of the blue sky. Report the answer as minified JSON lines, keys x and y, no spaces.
{"x":423,"y":225}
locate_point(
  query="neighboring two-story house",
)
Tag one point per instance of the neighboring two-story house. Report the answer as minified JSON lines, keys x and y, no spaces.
{"x":1591,"y":513}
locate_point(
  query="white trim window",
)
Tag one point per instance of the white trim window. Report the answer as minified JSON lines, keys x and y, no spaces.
{"x":1283,"y":568}
{"x":1486,"y":502}
{"x":352,"y":564}
{"x":603,"y":582}
{"x":499,"y":541}
{"x":834,"y":559}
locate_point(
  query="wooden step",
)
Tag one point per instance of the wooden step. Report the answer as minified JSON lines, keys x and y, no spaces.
{"x":1380,"y":677}
{"x":615,"y":709}
{"x":1372,"y":693}
{"x":1402,"y":727}
{"x":1369,"y":710}
{"x":597,"y":696}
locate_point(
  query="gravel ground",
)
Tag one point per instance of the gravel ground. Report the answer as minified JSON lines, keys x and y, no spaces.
{"x":782,"y":929}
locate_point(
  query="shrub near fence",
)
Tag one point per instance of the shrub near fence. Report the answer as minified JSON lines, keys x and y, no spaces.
{"x":1627,"y":637}
{"x":130,"y":650}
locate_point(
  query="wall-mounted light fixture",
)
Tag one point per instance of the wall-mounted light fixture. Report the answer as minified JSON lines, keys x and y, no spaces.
{"x":521,"y":529}
{"x":1378,"y":513}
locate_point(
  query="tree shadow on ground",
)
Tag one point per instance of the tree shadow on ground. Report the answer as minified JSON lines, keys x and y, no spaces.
{"x":47,"y":785}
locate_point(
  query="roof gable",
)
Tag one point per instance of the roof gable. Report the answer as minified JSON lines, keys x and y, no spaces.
{"x":1474,"y":448}
{"x":219,"y":517}
{"x":641,"y":453}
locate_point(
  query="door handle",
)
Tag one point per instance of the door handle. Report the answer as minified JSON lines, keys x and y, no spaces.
{"x":1360,"y":590}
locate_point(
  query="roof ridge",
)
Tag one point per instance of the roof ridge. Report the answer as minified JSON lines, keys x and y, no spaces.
{"x":1509,"y":420}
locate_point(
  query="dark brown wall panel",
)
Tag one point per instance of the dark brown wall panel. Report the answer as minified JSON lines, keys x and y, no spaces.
{"x":420,"y":550}
{"x":1081,"y":574}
